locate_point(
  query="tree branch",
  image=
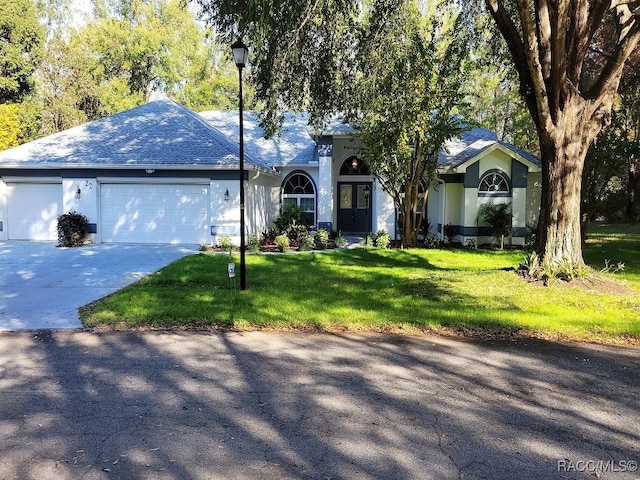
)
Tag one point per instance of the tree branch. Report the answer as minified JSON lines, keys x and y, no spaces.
{"x":532,"y":55}
{"x":607,"y":82}
{"x":516,"y":47}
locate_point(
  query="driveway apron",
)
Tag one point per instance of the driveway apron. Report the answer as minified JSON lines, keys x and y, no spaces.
{"x":42,"y":286}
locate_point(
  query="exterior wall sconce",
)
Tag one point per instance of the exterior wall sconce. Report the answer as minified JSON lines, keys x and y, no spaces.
{"x":354,"y":163}
{"x":77,"y":195}
{"x":226,"y":195}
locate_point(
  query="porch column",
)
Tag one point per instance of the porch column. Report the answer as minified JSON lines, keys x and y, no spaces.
{"x":325,"y":186}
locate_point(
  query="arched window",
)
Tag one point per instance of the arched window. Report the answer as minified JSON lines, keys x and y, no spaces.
{"x":494,"y":182}
{"x":298,"y":190}
{"x":354,"y":166}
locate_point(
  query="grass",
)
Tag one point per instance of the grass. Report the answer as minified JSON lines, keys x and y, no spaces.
{"x":410,"y":291}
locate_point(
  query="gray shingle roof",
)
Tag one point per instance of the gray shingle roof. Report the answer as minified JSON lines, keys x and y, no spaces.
{"x":160,"y":133}
{"x":473,"y":142}
{"x":294,"y":145}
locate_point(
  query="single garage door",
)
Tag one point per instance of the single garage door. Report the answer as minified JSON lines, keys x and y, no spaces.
{"x":154,"y":213}
{"x":33,"y":210}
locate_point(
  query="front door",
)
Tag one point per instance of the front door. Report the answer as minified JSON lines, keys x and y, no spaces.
{"x":354,"y":212}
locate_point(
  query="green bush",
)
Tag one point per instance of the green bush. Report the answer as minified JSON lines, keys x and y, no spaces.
{"x":224,"y":242}
{"x":289,"y":217}
{"x":321,"y":239}
{"x":340,"y":241}
{"x":282,"y":242}
{"x":73,"y":228}
{"x":471,"y":244}
{"x":432,"y":241}
{"x":307,"y":242}
{"x":382,"y":239}
{"x":254,"y":243}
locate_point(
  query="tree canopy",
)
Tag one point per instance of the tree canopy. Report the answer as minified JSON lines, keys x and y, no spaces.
{"x":21,"y":40}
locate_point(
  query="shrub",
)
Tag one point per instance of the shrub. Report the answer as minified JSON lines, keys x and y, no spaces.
{"x":382,"y":239}
{"x":499,"y":218}
{"x":471,"y":244}
{"x":224,"y":242}
{"x":367,"y":240}
{"x":432,"y":241}
{"x":282,"y":242}
{"x":321,"y":239}
{"x":450,"y":232}
{"x":269,"y":236}
{"x":73,"y":228}
{"x":340,"y":241}
{"x":290,"y":216}
{"x":307,"y":241}
{"x":254,"y":243}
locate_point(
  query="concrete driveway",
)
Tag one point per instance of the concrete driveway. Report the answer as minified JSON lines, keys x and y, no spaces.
{"x":42,"y":286}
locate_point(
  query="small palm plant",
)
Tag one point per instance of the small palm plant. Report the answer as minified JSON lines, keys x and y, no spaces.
{"x":498,"y":217}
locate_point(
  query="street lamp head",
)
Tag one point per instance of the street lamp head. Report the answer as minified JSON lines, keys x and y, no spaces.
{"x":240,"y":53}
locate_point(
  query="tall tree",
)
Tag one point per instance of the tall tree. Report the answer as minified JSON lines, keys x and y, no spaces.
{"x":21,"y":38}
{"x":411,"y":66}
{"x":549,"y":42}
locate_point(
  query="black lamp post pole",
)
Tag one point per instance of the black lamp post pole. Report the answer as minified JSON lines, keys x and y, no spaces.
{"x":240,"y":53}
{"x":243,"y":267}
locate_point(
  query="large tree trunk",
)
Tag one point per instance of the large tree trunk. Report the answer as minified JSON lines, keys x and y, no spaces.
{"x":563,"y":156}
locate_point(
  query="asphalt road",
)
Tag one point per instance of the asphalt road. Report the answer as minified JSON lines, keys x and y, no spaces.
{"x":231,"y":405}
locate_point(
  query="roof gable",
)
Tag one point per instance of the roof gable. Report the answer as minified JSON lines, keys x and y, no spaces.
{"x":472,"y":144}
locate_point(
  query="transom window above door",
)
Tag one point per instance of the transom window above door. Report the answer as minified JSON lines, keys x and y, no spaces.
{"x":354,"y":166}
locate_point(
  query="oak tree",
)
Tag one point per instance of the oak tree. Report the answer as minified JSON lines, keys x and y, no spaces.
{"x":550,"y":43}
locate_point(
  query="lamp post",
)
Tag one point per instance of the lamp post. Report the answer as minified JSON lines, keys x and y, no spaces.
{"x":240,"y":54}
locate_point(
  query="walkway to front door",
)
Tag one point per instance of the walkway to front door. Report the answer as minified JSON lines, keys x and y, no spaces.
{"x":354,"y":212}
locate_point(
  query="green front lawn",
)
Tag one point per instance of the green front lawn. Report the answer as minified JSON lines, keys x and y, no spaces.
{"x":388,"y":290}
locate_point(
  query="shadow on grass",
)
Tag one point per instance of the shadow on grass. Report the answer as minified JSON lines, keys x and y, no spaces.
{"x":358,"y":289}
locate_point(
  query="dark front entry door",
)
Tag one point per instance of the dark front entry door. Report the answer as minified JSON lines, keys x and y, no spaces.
{"x":354,"y":212}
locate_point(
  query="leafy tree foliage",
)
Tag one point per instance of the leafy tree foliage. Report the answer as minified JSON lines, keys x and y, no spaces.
{"x":411,"y":72}
{"x":21,"y":37}
{"x":491,"y":85}
{"x":125,"y":52}
{"x":550,"y":45}
{"x":302,"y":53}
{"x":9,"y":126}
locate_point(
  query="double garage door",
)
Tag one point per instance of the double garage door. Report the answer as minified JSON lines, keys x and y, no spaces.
{"x":133,"y":213}
{"x":150,"y":213}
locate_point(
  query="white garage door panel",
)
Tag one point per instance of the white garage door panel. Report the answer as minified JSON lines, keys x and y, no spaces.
{"x":154,"y":213}
{"x":33,"y":210}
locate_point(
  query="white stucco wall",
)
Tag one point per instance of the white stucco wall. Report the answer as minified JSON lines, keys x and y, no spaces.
{"x":454,"y":204}
{"x":384,"y":211}
{"x":325,"y":185}
{"x":86,"y":204}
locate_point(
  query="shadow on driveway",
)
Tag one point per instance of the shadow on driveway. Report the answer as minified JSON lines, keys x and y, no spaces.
{"x":185,"y":405}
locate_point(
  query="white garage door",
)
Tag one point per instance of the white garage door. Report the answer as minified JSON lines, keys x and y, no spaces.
{"x":33,"y":210}
{"x":144,"y":213}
